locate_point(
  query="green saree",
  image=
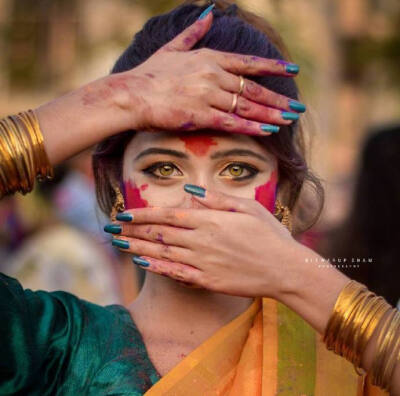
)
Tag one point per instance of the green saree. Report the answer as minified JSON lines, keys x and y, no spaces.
{"x":53,"y":343}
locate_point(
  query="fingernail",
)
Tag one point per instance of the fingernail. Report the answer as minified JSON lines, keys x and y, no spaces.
{"x":140,"y":261}
{"x":195,"y":190}
{"x":286,"y":115}
{"x":206,"y":12}
{"x":124,"y":217}
{"x":292,"y":68}
{"x":113,"y":228}
{"x":269,"y":128}
{"x":120,"y":243}
{"x":297,"y":106}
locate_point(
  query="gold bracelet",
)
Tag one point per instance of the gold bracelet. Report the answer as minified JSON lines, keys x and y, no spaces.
{"x":384,"y":346}
{"x":22,"y":154}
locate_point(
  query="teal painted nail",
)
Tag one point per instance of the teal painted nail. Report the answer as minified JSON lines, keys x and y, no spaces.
{"x":297,"y":106}
{"x":286,"y":115}
{"x":292,"y":68}
{"x":120,"y":243}
{"x":206,"y":12}
{"x":124,"y":217}
{"x":269,"y":128}
{"x":140,"y":261}
{"x":113,"y":228}
{"x":195,"y":190}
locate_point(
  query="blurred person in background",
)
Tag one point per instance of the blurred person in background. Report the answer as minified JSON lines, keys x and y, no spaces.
{"x":371,"y":231}
{"x":238,"y":309}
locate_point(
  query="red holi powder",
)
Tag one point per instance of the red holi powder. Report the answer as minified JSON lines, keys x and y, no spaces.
{"x":143,"y":187}
{"x":132,"y":197}
{"x":265,"y":194}
{"x":199,"y":145}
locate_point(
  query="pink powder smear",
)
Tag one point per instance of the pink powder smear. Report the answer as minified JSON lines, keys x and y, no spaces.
{"x":132,"y":196}
{"x":199,"y":145}
{"x":266,"y":194}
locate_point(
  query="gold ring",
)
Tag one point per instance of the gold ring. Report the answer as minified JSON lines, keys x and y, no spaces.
{"x":241,"y":87}
{"x":234,"y":103}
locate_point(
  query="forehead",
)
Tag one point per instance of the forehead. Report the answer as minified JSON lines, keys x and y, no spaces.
{"x":199,"y":144}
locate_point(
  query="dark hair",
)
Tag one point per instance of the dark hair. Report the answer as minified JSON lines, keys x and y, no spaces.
{"x":236,"y":31}
{"x":371,"y":230}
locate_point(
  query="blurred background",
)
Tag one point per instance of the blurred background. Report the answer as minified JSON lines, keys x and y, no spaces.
{"x":349,"y":54}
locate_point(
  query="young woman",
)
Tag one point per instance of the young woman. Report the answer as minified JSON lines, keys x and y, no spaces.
{"x":241,"y":303}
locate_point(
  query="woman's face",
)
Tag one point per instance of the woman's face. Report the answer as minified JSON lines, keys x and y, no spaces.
{"x":156,"y":166}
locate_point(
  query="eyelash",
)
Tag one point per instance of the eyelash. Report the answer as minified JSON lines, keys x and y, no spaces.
{"x":251,"y":169}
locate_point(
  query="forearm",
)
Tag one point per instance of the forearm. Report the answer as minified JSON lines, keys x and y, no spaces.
{"x":312,"y":292}
{"x":82,"y":118}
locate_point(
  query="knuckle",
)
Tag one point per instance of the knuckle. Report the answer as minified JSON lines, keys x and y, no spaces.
{"x":243,"y":105}
{"x":253,"y":89}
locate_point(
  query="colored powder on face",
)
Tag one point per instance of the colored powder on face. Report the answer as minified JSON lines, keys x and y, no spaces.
{"x":266,"y":194}
{"x":199,"y":145}
{"x":143,"y":187}
{"x":132,"y":196}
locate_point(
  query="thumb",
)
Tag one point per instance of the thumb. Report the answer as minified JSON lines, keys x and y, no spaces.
{"x":185,"y":40}
{"x":220,"y":201}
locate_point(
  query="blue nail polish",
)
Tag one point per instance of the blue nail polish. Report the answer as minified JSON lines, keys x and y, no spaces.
{"x":206,"y":12}
{"x":140,"y":261}
{"x":124,"y":217}
{"x":113,"y":228}
{"x":195,"y":190}
{"x":270,"y":128}
{"x":292,"y":68}
{"x":286,"y":115}
{"x":297,"y":106}
{"x":120,"y":243}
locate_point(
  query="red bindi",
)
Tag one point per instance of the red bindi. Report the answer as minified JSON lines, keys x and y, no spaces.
{"x":199,"y":145}
{"x":266,"y":194}
{"x":132,"y":196}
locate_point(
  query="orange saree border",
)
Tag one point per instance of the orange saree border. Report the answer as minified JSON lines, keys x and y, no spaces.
{"x":268,"y":350}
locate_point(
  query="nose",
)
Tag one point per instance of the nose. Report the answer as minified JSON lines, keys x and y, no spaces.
{"x":189,"y":200}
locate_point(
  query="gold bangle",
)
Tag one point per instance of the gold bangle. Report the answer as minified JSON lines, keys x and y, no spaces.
{"x":22,"y":153}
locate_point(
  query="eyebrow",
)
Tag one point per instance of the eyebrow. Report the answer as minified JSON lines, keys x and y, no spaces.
{"x":158,"y":150}
{"x":238,"y":152}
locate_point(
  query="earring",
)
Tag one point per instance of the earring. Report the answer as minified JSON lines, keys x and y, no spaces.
{"x":119,"y":204}
{"x":284,"y":212}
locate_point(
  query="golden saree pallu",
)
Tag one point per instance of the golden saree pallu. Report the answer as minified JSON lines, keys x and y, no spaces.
{"x":22,"y":154}
{"x":355,"y":317}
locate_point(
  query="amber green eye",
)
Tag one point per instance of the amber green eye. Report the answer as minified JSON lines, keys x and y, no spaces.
{"x":239,"y":171}
{"x":166,"y":170}
{"x":162,"y":170}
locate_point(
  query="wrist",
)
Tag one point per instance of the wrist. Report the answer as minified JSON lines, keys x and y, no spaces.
{"x":311,"y":286}
{"x":126,"y":93}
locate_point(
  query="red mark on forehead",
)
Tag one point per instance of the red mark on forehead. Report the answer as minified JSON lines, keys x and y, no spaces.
{"x":132,"y":196}
{"x":266,"y":194}
{"x":199,"y":145}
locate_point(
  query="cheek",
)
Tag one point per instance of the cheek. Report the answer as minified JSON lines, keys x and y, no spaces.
{"x":266,"y":193}
{"x":132,"y":196}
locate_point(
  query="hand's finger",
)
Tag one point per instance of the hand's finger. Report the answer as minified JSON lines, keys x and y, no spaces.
{"x":152,"y":249}
{"x":231,"y":122}
{"x":220,"y":201}
{"x":178,"y":217}
{"x":163,"y":234}
{"x":255,"y":65}
{"x":192,"y":34}
{"x":250,"y":110}
{"x":257,"y":93}
{"x":178,"y":271}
